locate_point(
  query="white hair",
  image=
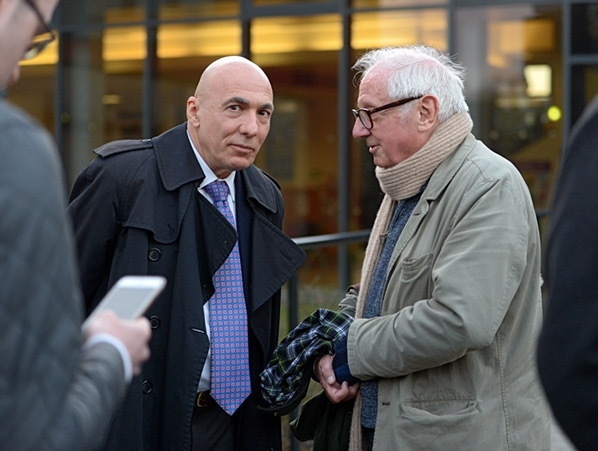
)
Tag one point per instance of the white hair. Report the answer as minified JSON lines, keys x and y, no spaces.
{"x":418,"y":70}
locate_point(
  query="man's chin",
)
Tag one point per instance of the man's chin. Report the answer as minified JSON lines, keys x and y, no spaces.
{"x":243,"y":162}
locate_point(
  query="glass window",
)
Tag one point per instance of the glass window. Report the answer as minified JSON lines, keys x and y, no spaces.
{"x":35,"y":91}
{"x":300,"y":36}
{"x":300,"y":55}
{"x":102,"y":91}
{"x":122,"y":44}
{"x":584,"y":34}
{"x":514,"y":75}
{"x":285,"y":2}
{"x":585,"y":80}
{"x":186,"y":9}
{"x":390,"y":3}
{"x":179,"y":42}
{"x":81,"y":12}
{"x":396,"y":28}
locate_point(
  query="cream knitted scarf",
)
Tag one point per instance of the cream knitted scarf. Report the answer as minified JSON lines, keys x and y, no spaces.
{"x":401,"y":182}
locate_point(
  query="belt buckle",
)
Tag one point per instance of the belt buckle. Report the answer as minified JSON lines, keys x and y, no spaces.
{"x":203,"y":399}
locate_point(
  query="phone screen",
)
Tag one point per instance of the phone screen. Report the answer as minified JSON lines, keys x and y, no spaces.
{"x":127,"y":302}
{"x":131,"y":296}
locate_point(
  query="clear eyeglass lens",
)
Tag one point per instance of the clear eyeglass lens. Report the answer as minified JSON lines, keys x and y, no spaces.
{"x":38,"y":44}
{"x":365,"y":119}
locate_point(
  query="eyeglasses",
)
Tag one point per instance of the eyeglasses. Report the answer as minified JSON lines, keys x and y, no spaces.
{"x":41,"y":40}
{"x":365,"y":114}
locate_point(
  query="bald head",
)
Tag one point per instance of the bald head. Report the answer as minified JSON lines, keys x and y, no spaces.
{"x":229,"y":115}
{"x":228,"y":65}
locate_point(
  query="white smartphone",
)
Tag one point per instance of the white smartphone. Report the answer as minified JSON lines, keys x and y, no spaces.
{"x":130,"y":296}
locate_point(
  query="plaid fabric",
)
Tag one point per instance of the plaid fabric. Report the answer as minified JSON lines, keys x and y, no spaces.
{"x":285,"y":379}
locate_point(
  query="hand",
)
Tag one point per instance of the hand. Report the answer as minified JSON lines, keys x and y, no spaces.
{"x":336,"y":392}
{"x":134,"y":335}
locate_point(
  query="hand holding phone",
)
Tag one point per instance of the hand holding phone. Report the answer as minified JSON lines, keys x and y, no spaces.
{"x":131,"y":296}
{"x":119,"y":312}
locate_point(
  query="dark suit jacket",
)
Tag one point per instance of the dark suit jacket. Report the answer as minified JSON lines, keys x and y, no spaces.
{"x":136,"y":210}
{"x":568,"y":346}
{"x":53,"y":394}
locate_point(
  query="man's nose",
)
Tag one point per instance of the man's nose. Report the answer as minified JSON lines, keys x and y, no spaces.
{"x":359,"y":131}
{"x":250,"y":124}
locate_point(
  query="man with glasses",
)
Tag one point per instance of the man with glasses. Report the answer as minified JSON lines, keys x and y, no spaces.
{"x":59,"y":385}
{"x":449,"y":304}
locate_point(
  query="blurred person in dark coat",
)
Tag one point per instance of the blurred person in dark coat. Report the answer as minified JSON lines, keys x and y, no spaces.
{"x":568,"y":345}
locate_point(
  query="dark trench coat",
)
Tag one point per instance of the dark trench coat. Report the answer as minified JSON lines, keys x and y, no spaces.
{"x":136,"y":210}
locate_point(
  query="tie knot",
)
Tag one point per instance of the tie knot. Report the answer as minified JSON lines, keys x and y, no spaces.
{"x":218,"y":191}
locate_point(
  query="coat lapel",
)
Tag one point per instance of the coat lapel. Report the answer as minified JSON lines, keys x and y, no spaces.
{"x":262,"y":243}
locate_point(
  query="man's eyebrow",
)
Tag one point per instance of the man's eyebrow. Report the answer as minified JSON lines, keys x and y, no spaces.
{"x":244,"y":101}
{"x":235,"y":99}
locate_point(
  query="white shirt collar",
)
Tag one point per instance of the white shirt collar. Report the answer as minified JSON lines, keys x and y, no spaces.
{"x":209,"y":174}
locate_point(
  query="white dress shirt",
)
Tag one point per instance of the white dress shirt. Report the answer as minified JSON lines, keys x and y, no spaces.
{"x":204,"y":382}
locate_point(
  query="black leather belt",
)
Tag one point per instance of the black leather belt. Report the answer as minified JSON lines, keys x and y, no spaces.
{"x":204,"y":399}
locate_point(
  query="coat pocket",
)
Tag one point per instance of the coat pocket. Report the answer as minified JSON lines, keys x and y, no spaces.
{"x":408,"y":282}
{"x":444,"y":425}
{"x":432,"y":410}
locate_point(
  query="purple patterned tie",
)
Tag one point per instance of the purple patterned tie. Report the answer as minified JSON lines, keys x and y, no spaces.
{"x":230,"y":379}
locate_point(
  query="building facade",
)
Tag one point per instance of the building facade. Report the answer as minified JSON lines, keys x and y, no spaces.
{"x":125,"y":68}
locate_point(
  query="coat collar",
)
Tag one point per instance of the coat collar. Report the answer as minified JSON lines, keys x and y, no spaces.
{"x":178,"y":166}
{"x":176,"y":163}
{"x":448,"y":168}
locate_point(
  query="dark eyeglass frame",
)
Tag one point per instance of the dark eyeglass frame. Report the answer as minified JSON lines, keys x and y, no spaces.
{"x":41,"y":40}
{"x":369,"y":123}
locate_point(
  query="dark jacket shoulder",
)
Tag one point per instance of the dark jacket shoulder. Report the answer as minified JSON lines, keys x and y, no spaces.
{"x":123,"y":145}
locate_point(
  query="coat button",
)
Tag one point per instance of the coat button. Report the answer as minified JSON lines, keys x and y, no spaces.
{"x":155,"y":322}
{"x":147,"y":387}
{"x":154,"y":254}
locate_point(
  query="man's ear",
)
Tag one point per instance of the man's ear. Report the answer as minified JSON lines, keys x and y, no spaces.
{"x":428,"y":112}
{"x":192,"y":110}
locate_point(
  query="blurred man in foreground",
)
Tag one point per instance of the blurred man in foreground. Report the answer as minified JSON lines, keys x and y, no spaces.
{"x":58,"y":386}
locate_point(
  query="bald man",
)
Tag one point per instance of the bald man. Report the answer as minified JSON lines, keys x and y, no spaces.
{"x":146,"y":207}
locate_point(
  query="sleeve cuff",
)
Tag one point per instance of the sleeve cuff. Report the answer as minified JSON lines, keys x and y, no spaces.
{"x":340,"y":363}
{"x":120,"y":347}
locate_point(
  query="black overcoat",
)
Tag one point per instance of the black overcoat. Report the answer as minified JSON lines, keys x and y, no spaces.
{"x":568,"y":344}
{"x":136,"y":210}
